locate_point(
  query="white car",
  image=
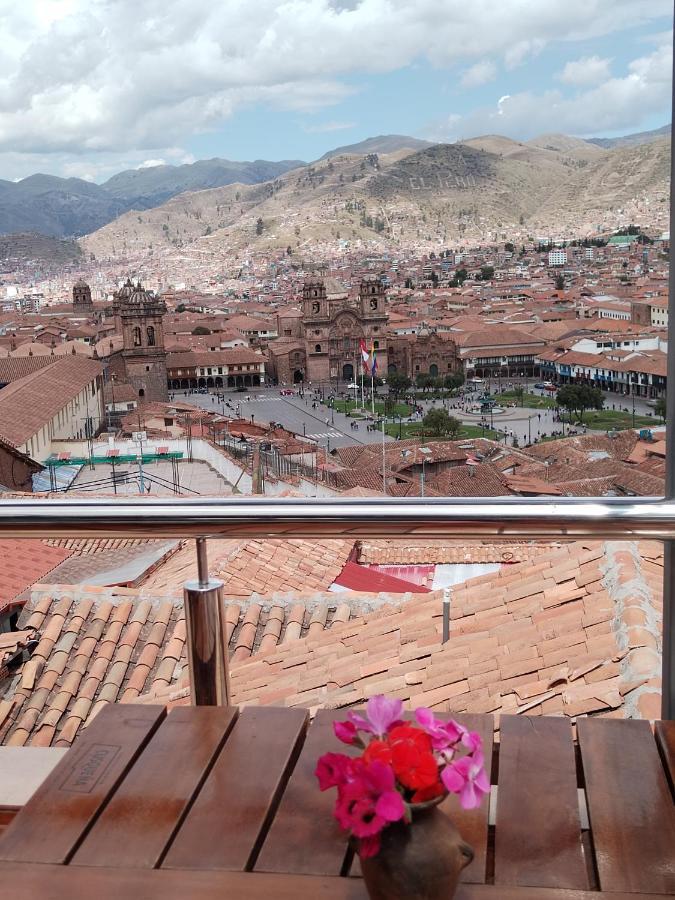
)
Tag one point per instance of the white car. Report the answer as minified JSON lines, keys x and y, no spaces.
{"x":353,"y":386}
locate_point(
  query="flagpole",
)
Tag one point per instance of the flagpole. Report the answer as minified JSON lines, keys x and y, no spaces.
{"x":372,"y":392}
{"x":384,"y":471}
{"x":363,"y":402}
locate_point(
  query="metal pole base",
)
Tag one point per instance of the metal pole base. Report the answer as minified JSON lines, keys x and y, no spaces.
{"x":205,"y":639}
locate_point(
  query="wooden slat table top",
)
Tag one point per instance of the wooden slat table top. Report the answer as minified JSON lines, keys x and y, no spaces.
{"x":213,"y":802}
{"x":538,"y":832}
{"x":66,"y":882}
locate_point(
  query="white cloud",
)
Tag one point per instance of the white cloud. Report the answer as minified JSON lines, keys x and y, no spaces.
{"x":151,"y":163}
{"x":617,"y":103}
{"x":130,"y":78}
{"x":480,"y":73}
{"x":585,"y":71}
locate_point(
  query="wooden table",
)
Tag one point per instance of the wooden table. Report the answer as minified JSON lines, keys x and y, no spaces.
{"x":205,"y":802}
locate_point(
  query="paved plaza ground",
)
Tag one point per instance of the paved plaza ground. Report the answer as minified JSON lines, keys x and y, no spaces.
{"x":195,"y":478}
{"x":334,"y":429}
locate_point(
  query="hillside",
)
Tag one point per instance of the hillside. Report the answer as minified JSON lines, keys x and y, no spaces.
{"x":37,"y":248}
{"x":151,"y":186}
{"x":438,"y":194}
{"x":632,"y":140}
{"x":383,"y":143}
{"x":63,"y":207}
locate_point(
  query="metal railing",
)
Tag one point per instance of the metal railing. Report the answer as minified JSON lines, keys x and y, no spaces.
{"x":500,"y":518}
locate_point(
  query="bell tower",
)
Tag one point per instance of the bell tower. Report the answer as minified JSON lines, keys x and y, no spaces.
{"x":372,"y":298}
{"x":82,"y":301}
{"x":314,"y":301}
{"x":141,"y":316}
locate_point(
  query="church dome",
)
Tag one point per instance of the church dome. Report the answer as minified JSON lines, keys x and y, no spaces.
{"x":126,"y":290}
{"x":138,"y":296}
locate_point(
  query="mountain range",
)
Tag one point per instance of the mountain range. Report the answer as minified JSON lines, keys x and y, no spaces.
{"x":63,"y":207}
{"x":72,"y":207}
{"x":483,"y":189}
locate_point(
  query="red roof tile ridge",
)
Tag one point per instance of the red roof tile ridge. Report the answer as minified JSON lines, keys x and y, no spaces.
{"x":637,"y":624}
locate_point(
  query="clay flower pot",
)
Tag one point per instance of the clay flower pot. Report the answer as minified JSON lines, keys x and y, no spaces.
{"x":421,"y":861}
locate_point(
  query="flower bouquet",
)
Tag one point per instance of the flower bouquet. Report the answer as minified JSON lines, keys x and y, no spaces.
{"x":405,"y":768}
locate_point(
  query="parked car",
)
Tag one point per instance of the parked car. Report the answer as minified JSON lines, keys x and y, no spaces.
{"x":286,"y":392}
{"x":540,"y":386}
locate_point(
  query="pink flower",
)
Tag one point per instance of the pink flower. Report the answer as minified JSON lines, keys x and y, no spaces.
{"x":381,"y":714}
{"x":472,"y":741}
{"x":346,"y":732}
{"x":369,"y":801}
{"x":466,"y":777}
{"x":333,"y":770}
{"x":442,"y":734}
{"x":369,"y":846}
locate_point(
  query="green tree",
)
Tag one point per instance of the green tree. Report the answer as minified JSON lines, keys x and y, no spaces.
{"x":560,"y":283}
{"x":486,"y":273}
{"x":201,"y":329}
{"x":259,"y":227}
{"x":461,"y":275}
{"x":181,"y":308}
{"x":453,"y":381}
{"x":660,"y":408}
{"x":508,"y":247}
{"x":440,"y":423}
{"x":519,"y":393}
{"x":423,"y":381}
{"x":398,"y":383}
{"x":577,"y":398}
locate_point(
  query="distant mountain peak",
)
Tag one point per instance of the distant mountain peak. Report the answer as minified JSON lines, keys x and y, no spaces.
{"x":381,"y":143}
{"x":632,"y":140}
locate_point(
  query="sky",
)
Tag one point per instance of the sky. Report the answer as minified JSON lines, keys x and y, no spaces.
{"x":91,"y":87}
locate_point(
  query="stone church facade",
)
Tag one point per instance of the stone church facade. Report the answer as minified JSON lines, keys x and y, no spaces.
{"x":425,"y":353}
{"x":139,"y":318}
{"x":327,"y":345}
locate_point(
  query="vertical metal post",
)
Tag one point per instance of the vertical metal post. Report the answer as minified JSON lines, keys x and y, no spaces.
{"x":668,"y":649}
{"x":206,"y":647}
{"x":446,"y":615}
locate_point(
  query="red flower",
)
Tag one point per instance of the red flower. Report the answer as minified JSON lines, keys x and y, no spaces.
{"x":412,"y":757}
{"x":428,"y":793}
{"x":378,"y":750}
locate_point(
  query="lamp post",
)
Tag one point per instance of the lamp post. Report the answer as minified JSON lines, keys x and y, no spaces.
{"x":400,"y":426}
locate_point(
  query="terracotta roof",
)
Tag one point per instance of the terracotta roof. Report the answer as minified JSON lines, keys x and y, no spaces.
{"x":257,"y":567}
{"x":23,"y":563}
{"x":483,"y":480}
{"x":29,"y":403}
{"x":93,"y":545}
{"x":14,"y":367}
{"x":439,"y":552}
{"x":575,"y":633}
{"x":100,"y":645}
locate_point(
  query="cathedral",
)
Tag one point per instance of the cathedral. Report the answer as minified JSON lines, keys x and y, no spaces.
{"x":324,"y":344}
{"x":138,"y":316}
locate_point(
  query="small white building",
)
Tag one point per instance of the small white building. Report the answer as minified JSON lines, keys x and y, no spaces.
{"x":557,"y":257}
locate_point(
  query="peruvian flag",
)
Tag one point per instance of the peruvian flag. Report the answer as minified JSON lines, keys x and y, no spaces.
{"x":365,"y":356}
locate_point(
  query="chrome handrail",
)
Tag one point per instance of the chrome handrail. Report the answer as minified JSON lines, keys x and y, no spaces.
{"x":511,"y":518}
